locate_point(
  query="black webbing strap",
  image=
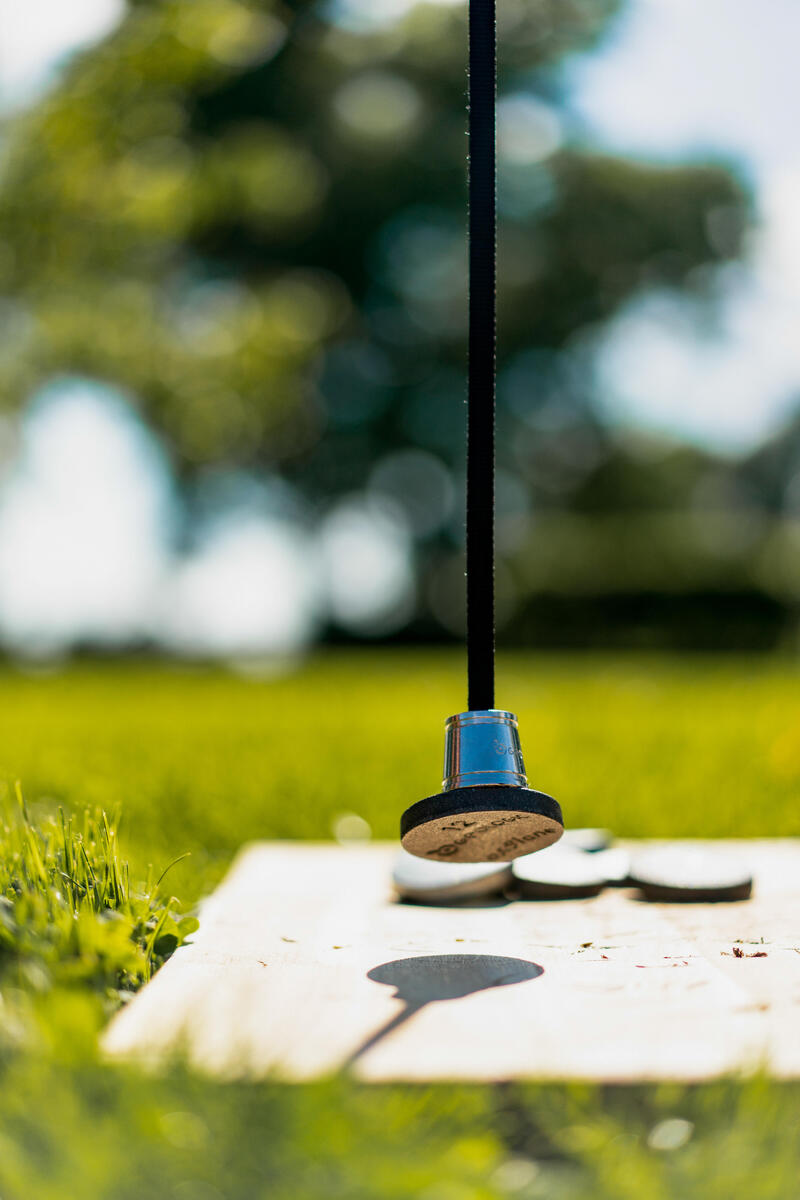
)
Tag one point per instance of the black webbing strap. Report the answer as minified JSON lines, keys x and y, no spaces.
{"x":482,"y":349}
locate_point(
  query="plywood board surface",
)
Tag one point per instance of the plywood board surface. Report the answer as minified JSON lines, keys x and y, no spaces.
{"x":305,"y":964}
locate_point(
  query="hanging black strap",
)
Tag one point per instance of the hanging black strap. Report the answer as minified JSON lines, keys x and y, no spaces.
{"x":482,"y":351}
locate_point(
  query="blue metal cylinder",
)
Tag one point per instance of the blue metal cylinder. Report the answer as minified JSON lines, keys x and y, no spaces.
{"x":482,"y":748}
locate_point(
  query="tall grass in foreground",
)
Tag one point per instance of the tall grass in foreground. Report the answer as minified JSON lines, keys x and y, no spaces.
{"x":69,"y":912}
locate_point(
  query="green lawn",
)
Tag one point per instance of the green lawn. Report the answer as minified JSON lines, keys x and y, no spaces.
{"x":200,"y":760}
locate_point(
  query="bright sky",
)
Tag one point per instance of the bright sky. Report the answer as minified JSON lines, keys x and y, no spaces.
{"x":676,"y":76}
{"x":681,"y":78}
{"x":35,"y":34}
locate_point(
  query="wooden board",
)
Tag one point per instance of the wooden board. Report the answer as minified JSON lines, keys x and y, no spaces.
{"x":304,"y":964}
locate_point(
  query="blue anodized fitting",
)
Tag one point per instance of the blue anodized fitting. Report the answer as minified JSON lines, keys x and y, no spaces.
{"x":482,"y":748}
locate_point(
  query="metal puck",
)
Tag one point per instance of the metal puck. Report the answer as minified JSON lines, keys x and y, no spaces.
{"x":559,"y":873}
{"x":673,"y":875}
{"x":590,"y":840}
{"x":427,"y":881}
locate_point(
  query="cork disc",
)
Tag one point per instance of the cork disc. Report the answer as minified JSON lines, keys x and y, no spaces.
{"x":481,"y":824}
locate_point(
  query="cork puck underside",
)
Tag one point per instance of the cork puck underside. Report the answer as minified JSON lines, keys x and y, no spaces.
{"x":481,"y":824}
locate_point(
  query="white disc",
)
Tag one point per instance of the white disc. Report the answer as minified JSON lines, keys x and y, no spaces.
{"x":561,"y":866}
{"x":591,"y":840}
{"x":691,"y":871}
{"x":426,"y":879}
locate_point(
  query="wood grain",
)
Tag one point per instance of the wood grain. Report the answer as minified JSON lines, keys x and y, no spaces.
{"x":304,"y":964}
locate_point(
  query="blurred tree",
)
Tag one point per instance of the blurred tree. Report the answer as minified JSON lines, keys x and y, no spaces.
{"x":252,"y":215}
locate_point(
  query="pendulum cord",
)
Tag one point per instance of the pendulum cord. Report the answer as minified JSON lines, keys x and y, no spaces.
{"x":482,"y":352}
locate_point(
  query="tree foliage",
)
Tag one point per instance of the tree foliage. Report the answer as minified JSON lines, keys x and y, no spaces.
{"x":251,"y":215}
{"x":221,"y":188}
